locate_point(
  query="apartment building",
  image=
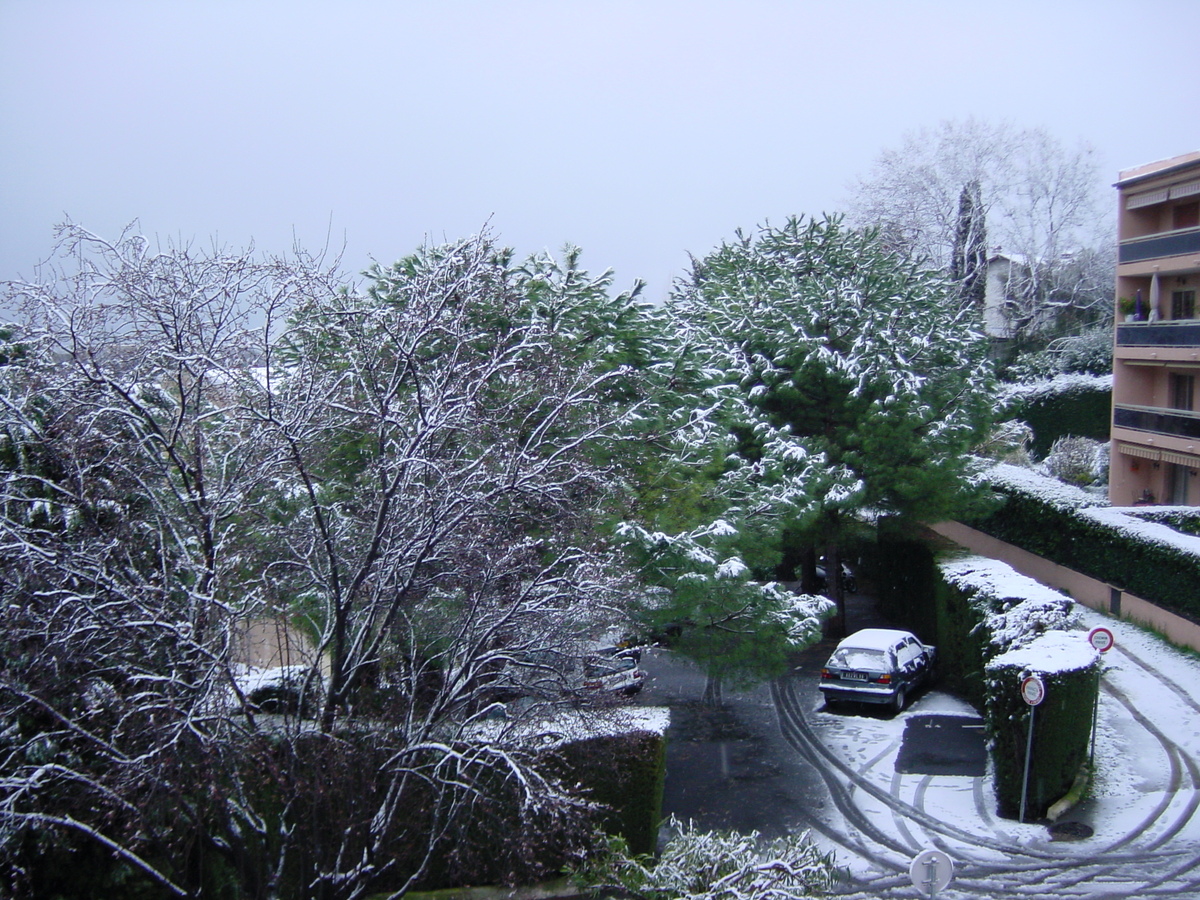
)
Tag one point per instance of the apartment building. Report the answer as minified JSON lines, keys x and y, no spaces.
{"x":1156,"y":356}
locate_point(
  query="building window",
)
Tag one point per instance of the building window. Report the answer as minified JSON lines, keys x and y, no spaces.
{"x":1186,"y":215}
{"x":1183,"y":388}
{"x":1183,"y":305}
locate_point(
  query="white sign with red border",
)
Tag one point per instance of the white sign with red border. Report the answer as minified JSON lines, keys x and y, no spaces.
{"x":1033,"y":690}
{"x":1101,"y":639}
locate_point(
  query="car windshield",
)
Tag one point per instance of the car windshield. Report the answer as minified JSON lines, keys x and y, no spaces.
{"x":859,"y":658}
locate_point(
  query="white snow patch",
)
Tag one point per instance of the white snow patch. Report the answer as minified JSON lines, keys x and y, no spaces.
{"x":1054,"y":651}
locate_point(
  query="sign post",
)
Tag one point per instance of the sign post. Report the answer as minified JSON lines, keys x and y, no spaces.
{"x":1102,"y":640}
{"x":1033,"y":692}
{"x":931,"y":871}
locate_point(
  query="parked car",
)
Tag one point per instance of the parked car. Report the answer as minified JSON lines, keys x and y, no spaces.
{"x":613,"y":674}
{"x":877,"y":665}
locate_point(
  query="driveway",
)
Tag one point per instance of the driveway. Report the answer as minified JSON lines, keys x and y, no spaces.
{"x":877,"y":790}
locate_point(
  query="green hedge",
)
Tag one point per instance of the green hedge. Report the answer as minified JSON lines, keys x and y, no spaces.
{"x":626,"y":774}
{"x":1062,"y":727}
{"x":1082,"y":408}
{"x":959,"y":619}
{"x":1163,"y":574}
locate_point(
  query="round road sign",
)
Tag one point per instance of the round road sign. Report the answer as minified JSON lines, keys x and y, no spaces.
{"x":931,"y":871}
{"x":1033,"y":690}
{"x":1101,"y":639}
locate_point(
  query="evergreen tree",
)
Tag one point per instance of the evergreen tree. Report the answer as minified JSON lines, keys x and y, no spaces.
{"x":858,"y":383}
{"x":968,"y":262}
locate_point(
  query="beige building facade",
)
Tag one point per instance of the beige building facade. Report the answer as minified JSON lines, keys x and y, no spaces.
{"x":1156,"y":354}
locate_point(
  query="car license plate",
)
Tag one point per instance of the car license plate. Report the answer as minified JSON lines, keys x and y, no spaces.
{"x":854,"y":676}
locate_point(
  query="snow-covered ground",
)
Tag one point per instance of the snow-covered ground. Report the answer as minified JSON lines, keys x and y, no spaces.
{"x":1142,"y":806}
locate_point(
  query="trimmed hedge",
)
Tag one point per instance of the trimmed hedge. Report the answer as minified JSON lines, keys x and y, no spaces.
{"x":1062,"y":727}
{"x":625,"y":773}
{"x":1097,"y":542}
{"x":977,"y":610}
{"x":1076,"y":405}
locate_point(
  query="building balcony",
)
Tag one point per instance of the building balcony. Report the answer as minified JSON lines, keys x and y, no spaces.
{"x":1156,"y":246}
{"x":1174,"y":422}
{"x":1180,"y":333}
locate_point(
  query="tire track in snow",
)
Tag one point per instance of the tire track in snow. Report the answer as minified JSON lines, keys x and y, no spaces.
{"x":1031,"y":873}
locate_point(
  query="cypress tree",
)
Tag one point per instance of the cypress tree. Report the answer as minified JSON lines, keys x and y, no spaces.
{"x":968,"y":263}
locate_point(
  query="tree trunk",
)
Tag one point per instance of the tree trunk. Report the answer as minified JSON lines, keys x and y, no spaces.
{"x":834,"y":588}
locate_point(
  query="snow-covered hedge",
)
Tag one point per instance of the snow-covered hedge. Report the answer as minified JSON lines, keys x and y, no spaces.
{"x":1013,"y":609}
{"x":1022,"y":628}
{"x":622,"y":768}
{"x":1117,"y":546}
{"x":1065,"y":385}
{"x":1181,"y":518}
{"x":1065,"y":405}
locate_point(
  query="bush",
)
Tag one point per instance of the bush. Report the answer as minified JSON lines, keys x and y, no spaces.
{"x":1077,"y":460}
{"x":1071,"y":529}
{"x":1062,"y":724}
{"x":624,"y":773}
{"x":993,"y":626}
{"x":715,"y":865}
{"x":1066,"y":405}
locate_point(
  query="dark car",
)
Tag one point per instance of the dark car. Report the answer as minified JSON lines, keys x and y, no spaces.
{"x":877,"y":665}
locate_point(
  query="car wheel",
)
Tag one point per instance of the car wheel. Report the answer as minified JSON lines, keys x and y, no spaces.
{"x":898,"y":701}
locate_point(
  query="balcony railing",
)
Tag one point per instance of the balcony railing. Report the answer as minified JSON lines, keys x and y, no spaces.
{"x":1181,"y":333}
{"x":1158,"y":245}
{"x":1176,"y":422}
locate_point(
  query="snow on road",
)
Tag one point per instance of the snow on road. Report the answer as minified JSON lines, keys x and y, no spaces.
{"x":1142,"y":806}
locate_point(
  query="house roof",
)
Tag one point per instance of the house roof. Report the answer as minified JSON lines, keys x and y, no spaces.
{"x":1161,"y":167}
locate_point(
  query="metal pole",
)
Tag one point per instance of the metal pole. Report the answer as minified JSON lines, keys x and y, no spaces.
{"x":1028,"y":755}
{"x":931,"y":876}
{"x":1095,"y":717}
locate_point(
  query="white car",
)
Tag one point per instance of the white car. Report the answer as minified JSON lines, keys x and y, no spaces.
{"x":877,"y":665}
{"x":613,"y":674}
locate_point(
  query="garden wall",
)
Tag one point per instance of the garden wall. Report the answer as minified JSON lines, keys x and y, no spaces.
{"x":1075,"y":529}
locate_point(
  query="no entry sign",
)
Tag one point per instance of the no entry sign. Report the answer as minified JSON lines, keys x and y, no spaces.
{"x":1033,"y":690}
{"x":1101,"y":639}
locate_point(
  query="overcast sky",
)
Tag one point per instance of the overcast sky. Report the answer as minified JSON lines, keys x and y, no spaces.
{"x":641,"y":131}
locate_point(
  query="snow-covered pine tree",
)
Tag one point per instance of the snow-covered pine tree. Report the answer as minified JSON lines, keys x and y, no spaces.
{"x":841,"y":354}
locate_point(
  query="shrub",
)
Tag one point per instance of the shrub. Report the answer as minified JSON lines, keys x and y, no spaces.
{"x":1065,"y":405}
{"x":715,"y":865}
{"x":1021,"y":627}
{"x":1073,"y":529}
{"x":1077,"y":460}
{"x":1069,"y":668}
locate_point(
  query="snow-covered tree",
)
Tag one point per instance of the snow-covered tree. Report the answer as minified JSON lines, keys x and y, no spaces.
{"x":968,"y":260}
{"x":410,"y":474}
{"x":717,"y":865}
{"x":1041,"y":201}
{"x":853,"y":381}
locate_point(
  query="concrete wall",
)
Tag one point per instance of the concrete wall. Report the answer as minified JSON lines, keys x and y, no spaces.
{"x":270,"y":643}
